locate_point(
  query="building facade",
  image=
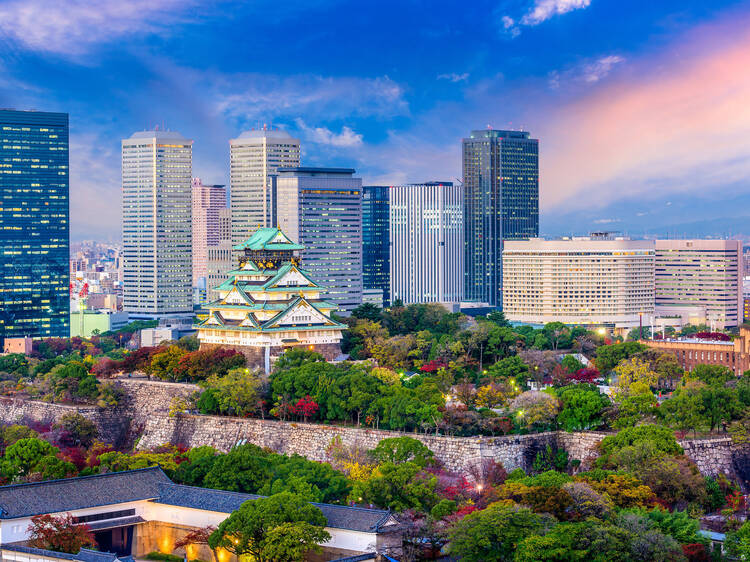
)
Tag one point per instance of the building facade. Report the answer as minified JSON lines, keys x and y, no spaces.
{"x":156,"y":225}
{"x":270,"y":304}
{"x":427,"y":242}
{"x":321,"y":209}
{"x":34,"y":224}
{"x":376,"y":269}
{"x":501,"y":202}
{"x":219,"y":256}
{"x":690,"y":352}
{"x":208,"y":202}
{"x":254,"y":157}
{"x":705,"y":273}
{"x":584,"y":281}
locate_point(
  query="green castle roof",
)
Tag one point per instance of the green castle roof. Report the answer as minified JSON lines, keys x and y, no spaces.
{"x":268,"y":239}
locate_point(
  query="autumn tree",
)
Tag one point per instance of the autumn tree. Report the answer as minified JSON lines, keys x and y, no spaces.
{"x":59,"y":533}
{"x":198,"y":536}
{"x":634,"y":376}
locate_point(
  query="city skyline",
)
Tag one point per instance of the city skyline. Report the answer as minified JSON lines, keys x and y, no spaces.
{"x":618,"y":114}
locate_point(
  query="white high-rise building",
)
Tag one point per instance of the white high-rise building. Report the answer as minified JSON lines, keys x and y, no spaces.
{"x":426,"y":242}
{"x":156,"y":224}
{"x":597,"y":280}
{"x":321,"y":209}
{"x":254,"y":158}
{"x":208,"y":202}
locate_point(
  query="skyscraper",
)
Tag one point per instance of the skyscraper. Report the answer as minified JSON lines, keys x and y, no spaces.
{"x":375,"y":240}
{"x":426,"y":242}
{"x":701,"y":273}
{"x":321,"y":209}
{"x":156,"y":224}
{"x":254,"y":158}
{"x":501,"y":202}
{"x":208,"y":201}
{"x":34,"y":224}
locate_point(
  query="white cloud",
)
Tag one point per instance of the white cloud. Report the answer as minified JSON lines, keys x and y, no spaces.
{"x":606,"y":221}
{"x":588,"y":72}
{"x":541,"y":11}
{"x":453,"y":77}
{"x":545,"y":9}
{"x":323,"y":135}
{"x":251,"y":96}
{"x":69,"y":27}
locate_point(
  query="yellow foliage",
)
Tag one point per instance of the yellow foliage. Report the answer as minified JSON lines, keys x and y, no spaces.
{"x":634,"y":376}
{"x":358,"y":472}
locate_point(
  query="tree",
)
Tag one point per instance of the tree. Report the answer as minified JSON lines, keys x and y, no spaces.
{"x":720,"y":405}
{"x":367,"y":311}
{"x":609,"y":356}
{"x":59,"y":533}
{"x":498,"y":317}
{"x":738,"y":542}
{"x":25,"y":454}
{"x":634,"y":408}
{"x":533,"y":408}
{"x":494,"y":533}
{"x":495,"y":394}
{"x":198,"y":536}
{"x":164,"y":363}
{"x":280,"y":528}
{"x":237,"y":393}
{"x":306,"y":407}
{"x":581,"y":408}
{"x":509,"y":369}
{"x":398,"y":487}
{"x":296,"y":357}
{"x":660,"y":438}
{"x":571,"y":363}
{"x":402,"y":449}
{"x":684,"y":410}
{"x":634,"y":376}
{"x":501,"y":341}
{"x":81,"y":431}
{"x":712,"y":375}
{"x":558,"y":335}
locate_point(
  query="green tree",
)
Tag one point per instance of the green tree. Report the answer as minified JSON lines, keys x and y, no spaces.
{"x":712,"y":375}
{"x":402,"y":449}
{"x":720,"y":405}
{"x":238,"y":393}
{"x":280,"y":528}
{"x":633,"y":408}
{"x":494,"y":533}
{"x":738,"y":542}
{"x":367,"y":311}
{"x":246,"y":468}
{"x":25,"y":454}
{"x":581,"y":408}
{"x":609,"y":356}
{"x":571,"y":363}
{"x":501,"y":342}
{"x":82,"y":431}
{"x":164,"y":364}
{"x":510,"y":369}
{"x":399,"y":487}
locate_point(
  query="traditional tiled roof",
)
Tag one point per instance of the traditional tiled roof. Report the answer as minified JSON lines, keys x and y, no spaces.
{"x":55,"y":496}
{"x":268,"y":239}
{"x":84,"y":554}
{"x":339,"y":516}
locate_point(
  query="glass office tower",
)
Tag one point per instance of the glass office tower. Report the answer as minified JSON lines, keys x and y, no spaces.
{"x":34,"y":224}
{"x":501,"y":202}
{"x":376,"y":262}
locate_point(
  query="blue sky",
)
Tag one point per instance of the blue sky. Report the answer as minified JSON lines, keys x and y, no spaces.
{"x":642,"y":108}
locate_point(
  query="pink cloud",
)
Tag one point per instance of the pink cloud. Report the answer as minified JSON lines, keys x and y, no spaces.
{"x":681,"y":120}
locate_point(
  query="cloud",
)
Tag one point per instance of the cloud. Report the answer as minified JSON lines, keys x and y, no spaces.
{"x":606,"y":221}
{"x":70,"y":27}
{"x":545,"y":9}
{"x":588,"y":72}
{"x":541,"y":11}
{"x":252,"y":96}
{"x":323,"y":135}
{"x":676,"y":122}
{"x":453,"y":77}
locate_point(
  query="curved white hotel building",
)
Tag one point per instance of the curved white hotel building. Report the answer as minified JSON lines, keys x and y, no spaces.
{"x":581,"y":280}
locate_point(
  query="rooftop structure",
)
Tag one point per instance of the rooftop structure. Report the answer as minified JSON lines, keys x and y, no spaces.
{"x":269,"y":303}
{"x":144,"y":507}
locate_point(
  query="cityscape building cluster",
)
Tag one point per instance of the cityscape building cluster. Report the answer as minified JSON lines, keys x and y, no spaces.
{"x":471,"y":244}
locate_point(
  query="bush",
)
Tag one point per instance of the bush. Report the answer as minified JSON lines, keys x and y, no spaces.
{"x":165,"y":557}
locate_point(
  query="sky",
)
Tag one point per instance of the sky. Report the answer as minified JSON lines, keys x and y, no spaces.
{"x":642,"y":108}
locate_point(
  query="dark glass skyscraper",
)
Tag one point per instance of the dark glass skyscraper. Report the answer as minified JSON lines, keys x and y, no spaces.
{"x":34,"y":224}
{"x":501,"y":202}
{"x":376,"y":240}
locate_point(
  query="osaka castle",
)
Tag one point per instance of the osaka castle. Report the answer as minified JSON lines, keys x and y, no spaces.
{"x":270,"y":304}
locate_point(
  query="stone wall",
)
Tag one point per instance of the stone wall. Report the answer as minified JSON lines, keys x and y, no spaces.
{"x":143,"y":415}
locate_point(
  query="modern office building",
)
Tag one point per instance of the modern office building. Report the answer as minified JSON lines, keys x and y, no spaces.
{"x":219,"y":256}
{"x":585,"y":281}
{"x":376,"y":269}
{"x":254,"y":157}
{"x":427,"y":242}
{"x":501,"y":202}
{"x":156,"y":225}
{"x":208,"y":201}
{"x":34,"y":224}
{"x":705,"y":273}
{"x":321,"y":209}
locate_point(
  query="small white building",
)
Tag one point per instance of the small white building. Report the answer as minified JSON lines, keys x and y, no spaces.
{"x":134,"y":512}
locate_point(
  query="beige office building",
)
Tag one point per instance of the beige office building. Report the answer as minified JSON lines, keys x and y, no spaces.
{"x":254,"y":158}
{"x":701,"y":273}
{"x":584,"y":281}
